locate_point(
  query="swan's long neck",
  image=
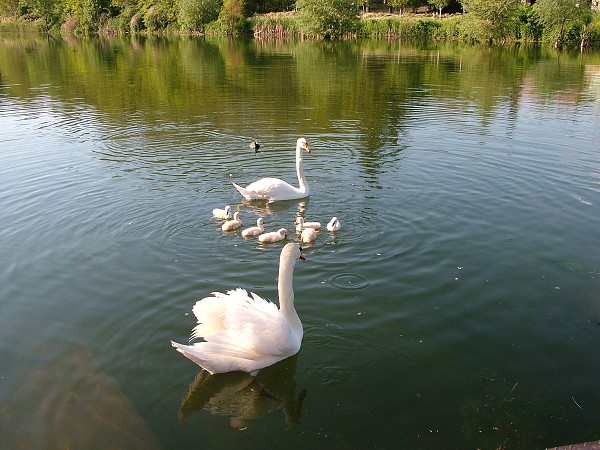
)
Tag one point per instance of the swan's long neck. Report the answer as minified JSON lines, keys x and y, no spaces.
{"x":286,"y":292}
{"x":300,"y":171}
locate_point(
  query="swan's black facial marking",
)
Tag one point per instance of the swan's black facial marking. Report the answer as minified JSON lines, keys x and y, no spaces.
{"x":301,"y":255}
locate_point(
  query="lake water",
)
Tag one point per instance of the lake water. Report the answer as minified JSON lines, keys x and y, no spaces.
{"x":458,"y":307}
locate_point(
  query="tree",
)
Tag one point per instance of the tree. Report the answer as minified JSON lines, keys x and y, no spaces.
{"x":231,"y":12}
{"x":328,"y":18}
{"x":399,"y":4}
{"x":86,"y":13}
{"x":194,"y":14}
{"x":9,"y":7}
{"x":558,"y":13}
{"x":47,"y":10}
{"x":439,"y":4}
{"x":494,"y":17}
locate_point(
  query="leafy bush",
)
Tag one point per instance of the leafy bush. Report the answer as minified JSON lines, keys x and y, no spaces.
{"x":154,"y":19}
{"x":527,"y":24}
{"x":426,"y":28}
{"x":564,"y":20}
{"x":195,"y":14}
{"x":593,"y":31}
{"x":400,"y":27}
{"x":327,"y":18}
{"x":231,"y":13}
{"x":449,"y":29}
{"x":494,"y":18}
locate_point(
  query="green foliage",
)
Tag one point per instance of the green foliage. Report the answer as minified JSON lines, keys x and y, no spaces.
{"x":154,"y":19}
{"x":251,"y":7}
{"x":439,"y":4}
{"x":86,"y":14}
{"x":270,"y":25}
{"x":193,"y":15}
{"x":231,"y":12}
{"x":125,"y":22}
{"x":328,"y":18}
{"x":527,"y":25}
{"x":559,"y":14}
{"x":593,"y":30}
{"x":399,"y":4}
{"x":9,"y":8}
{"x":561,"y":22}
{"x":398,"y":27}
{"x":47,"y":10}
{"x":494,"y":17}
{"x":450,"y":29}
{"x":157,"y":15}
{"x":221,"y":27}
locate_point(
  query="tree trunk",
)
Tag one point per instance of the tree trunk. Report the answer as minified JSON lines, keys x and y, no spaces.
{"x":560,"y":34}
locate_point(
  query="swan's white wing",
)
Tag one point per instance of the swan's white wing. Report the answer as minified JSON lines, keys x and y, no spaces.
{"x":261,"y":189}
{"x":270,"y":189}
{"x":259,"y":325}
{"x":247,"y":333}
{"x":210,"y":313}
{"x":245,"y":322}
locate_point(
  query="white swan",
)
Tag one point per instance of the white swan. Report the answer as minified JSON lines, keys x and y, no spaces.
{"x":245,"y":332}
{"x":334,"y":224}
{"x":273,"y":189}
{"x":273,"y":236}
{"x":302,"y":224}
{"x":308,"y":235}
{"x":254,"y":231}
{"x":232,"y":224}
{"x":222,"y":213}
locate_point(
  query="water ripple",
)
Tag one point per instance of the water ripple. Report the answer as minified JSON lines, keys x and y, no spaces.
{"x":349,"y":281}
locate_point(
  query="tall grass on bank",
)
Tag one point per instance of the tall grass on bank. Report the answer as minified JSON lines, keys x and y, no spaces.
{"x":279,"y":25}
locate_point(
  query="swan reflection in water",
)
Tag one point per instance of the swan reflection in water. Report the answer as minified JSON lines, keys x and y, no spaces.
{"x":266,"y":208}
{"x":245,"y":398}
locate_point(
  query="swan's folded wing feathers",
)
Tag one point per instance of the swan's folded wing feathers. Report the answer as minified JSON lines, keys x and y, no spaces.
{"x":240,"y":331}
{"x":265,"y":186}
{"x":210,"y":314}
{"x":255,"y":324}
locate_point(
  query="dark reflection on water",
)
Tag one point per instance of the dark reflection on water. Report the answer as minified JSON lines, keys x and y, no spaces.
{"x":71,"y":402}
{"x":244,"y":398}
{"x":456,"y":308}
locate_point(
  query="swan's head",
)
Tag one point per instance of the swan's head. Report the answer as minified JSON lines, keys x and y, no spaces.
{"x":260,"y":221}
{"x":300,"y":220}
{"x":301,"y":143}
{"x":227,"y":209}
{"x":236,"y":215}
{"x":293,"y":251}
{"x":282,"y":232}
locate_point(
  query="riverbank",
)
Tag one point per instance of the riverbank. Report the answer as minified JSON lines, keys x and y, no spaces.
{"x":421,"y":26}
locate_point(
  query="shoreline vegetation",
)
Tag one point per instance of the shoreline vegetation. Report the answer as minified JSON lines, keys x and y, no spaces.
{"x":561,"y":23}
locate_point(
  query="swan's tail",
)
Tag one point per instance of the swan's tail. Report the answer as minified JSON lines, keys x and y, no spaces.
{"x":245,"y":192}
{"x":193,"y":354}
